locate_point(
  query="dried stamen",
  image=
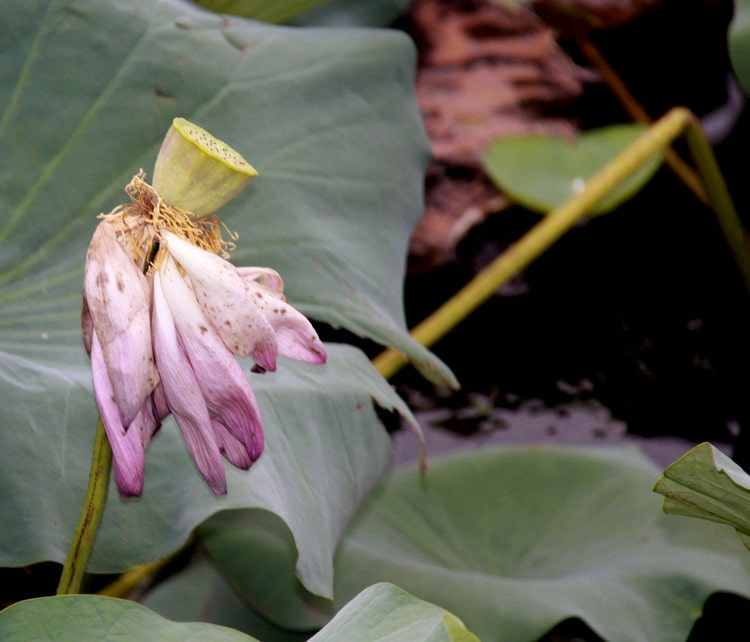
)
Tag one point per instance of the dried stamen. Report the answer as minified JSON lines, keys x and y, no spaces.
{"x":139,"y":223}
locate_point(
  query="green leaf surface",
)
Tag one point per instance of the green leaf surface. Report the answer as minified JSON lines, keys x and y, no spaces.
{"x":739,"y":42}
{"x":90,"y":618}
{"x":274,"y":11}
{"x":543,"y":172}
{"x":325,"y":448}
{"x":386,"y":612}
{"x":706,"y":484}
{"x":515,"y":540}
{"x":87,"y":90}
{"x":327,"y":117}
{"x":264,"y":576}
{"x":380,"y":612}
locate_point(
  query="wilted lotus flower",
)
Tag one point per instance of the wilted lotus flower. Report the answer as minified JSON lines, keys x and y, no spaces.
{"x":162,"y":328}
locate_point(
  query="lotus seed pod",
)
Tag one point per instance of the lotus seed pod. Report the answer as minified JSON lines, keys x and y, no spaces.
{"x":196,"y":171}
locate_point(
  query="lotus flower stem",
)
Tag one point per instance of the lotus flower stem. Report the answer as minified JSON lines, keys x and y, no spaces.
{"x":658,"y":138}
{"x":91,"y":515}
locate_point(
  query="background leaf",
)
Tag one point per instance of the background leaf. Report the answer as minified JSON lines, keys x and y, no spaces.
{"x":380,"y":612}
{"x":739,"y":42}
{"x":332,"y":211}
{"x":89,"y":618}
{"x":543,"y":172}
{"x":385,"y":612}
{"x":706,"y":484}
{"x":515,"y":540}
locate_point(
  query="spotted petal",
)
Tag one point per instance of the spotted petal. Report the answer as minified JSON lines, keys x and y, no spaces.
{"x":230,"y":400}
{"x":222,"y":294}
{"x":184,"y":396}
{"x":265,"y":277}
{"x":117,"y":297}
{"x":295,"y":336}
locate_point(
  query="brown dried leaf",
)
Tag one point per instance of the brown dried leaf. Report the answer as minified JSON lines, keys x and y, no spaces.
{"x":486,"y":71}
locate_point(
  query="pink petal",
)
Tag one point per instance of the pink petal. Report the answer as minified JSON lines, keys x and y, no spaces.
{"x":161,"y":408}
{"x":184,"y":396}
{"x":295,"y":336}
{"x":222,"y":295}
{"x":231,"y":402}
{"x":233,"y":450}
{"x":127,"y":447}
{"x":264,"y":356}
{"x":146,"y":423}
{"x":266,"y":278}
{"x":117,"y":297}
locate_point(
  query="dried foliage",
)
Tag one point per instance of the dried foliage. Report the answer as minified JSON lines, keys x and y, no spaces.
{"x":487,"y":70}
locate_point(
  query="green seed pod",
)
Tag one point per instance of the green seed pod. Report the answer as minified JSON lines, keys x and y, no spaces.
{"x":196,"y":171}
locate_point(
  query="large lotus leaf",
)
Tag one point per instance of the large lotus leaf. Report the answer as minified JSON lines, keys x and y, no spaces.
{"x":706,"y":484}
{"x":380,"y":612}
{"x":543,"y":172}
{"x":325,"y":448}
{"x":276,"y":11}
{"x":87,"y":91}
{"x":385,"y":612}
{"x":266,"y":580}
{"x":739,"y":42}
{"x":514,"y":540}
{"x":90,"y":618}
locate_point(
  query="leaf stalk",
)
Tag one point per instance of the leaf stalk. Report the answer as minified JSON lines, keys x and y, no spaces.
{"x":535,"y":242}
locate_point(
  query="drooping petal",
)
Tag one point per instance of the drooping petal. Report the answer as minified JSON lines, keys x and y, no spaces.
{"x":222,"y":294}
{"x":265,"y":277}
{"x":184,"y":396}
{"x":117,"y":297}
{"x":146,"y":423}
{"x":230,"y":400}
{"x":233,"y":450}
{"x":161,"y":408}
{"x":127,"y":447}
{"x":295,"y":336}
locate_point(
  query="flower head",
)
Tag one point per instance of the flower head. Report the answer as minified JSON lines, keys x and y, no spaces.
{"x":163,"y":328}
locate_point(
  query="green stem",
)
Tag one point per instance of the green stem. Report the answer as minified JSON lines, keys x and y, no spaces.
{"x":91,"y":515}
{"x":718,"y":195}
{"x":658,"y":138}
